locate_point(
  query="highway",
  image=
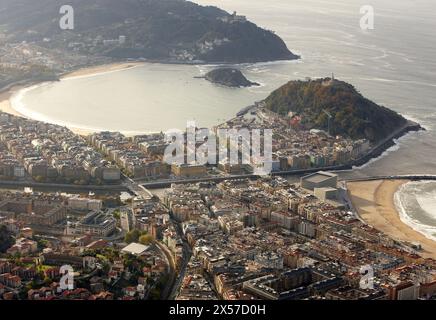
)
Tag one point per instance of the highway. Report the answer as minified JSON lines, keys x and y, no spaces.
{"x":172,"y":272}
{"x":175,"y":279}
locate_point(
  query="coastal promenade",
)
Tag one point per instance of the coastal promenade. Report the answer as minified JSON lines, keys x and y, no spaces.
{"x":168,"y":183}
{"x":142,"y":188}
{"x":374,"y":152}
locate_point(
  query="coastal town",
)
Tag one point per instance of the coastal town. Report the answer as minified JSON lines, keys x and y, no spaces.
{"x":235,"y":240}
{"x":50,"y":153}
{"x":103,"y":215}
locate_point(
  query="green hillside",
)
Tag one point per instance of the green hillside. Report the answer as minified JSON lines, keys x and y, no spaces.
{"x":352,"y":114}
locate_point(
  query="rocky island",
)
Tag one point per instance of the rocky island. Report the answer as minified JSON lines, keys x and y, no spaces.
{"x":176,"y":31}
{"x":229,"y":77}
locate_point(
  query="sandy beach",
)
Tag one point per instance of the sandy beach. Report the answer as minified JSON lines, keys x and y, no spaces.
{"x":102,"y":69}
{"x":5,"y":96}
{"x":5,"y":104}
{"x":374,"y":201}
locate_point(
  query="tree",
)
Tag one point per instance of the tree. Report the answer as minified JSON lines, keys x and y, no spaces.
{"x":6,"y":239}
{"x":132,"y":236}
{"x":145,"y":239}
{"x":116,"y":214}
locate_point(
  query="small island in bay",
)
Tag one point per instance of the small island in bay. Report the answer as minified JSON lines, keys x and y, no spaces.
{"x":229,"y":77}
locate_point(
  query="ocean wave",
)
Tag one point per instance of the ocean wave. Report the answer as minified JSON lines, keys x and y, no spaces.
{"x":422,"y":122}
{"x":394,"y":148}
{"x":411,"y":197}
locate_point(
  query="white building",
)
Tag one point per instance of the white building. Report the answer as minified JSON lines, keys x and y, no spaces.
{"x":136,"y":249}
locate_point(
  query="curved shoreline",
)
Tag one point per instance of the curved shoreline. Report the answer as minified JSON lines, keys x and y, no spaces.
{"x":6,"y":105}
{"x":7,"y":94}
{"x":374,"y":201}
